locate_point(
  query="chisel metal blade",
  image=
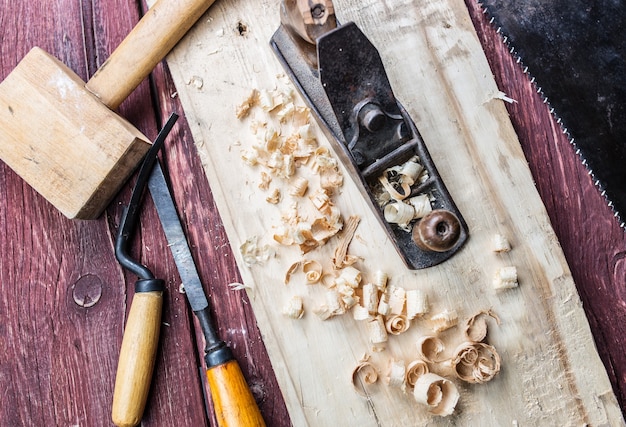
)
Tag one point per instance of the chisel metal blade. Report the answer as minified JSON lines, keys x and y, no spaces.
{"x":176,"y":239}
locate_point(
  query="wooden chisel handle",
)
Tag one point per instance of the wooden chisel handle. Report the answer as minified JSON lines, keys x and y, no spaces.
{"x":137,"y":356}
{"x":145,"y":46}
{"x":233,"y":402}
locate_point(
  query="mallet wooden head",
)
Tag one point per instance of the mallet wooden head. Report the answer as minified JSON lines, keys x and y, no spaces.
{"x":62,"y":135}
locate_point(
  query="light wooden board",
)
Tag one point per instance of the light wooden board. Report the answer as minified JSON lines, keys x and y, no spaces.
{"x":551,"y":372}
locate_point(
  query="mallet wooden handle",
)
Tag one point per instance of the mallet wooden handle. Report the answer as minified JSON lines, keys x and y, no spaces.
{"x":137,"y":356}
{"x":233,"y":402}
{"x":147,"y":44}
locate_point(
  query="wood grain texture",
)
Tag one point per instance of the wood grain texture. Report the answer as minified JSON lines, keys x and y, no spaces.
{"x":59,"y":357}
{"x":593,"y":242}
{"x":448,"y":90}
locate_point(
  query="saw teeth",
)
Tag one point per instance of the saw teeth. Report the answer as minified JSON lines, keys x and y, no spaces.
{"x":518,"y":60}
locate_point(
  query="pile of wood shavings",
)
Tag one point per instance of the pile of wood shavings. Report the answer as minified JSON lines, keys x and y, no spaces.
{"x":298,"y":175}
{"x":302,"y":178}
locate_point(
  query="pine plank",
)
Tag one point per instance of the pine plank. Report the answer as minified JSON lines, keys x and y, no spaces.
{"x":553,"y":372}
{"x":592,"y":241}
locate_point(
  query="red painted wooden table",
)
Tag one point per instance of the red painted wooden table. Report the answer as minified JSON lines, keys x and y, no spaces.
{"x":64,"y":298}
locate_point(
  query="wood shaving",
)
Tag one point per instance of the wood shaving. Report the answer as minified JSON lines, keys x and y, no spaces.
{"x":414,"y":371}
{"x":399,"y":213}
{"x":416,"y":303}
{"x":243,"y":109}
{"x":293,"y":268}
{"x":429,"y":348}
{"x":274,"y":198}
{"x":444,"y":320}
{"x":421,"y":205}
{"x":312,"y":271}
{"x":294,"y":308}
{"x":351,"y":276}
{"x":370,"y":298}
{"x":376,"y":331}
{"x":396,"y":373}
{"x":341,"y":250}
{"x":397,"y":299}
{"x":323,"y":312}
{"x":476,"y":362}
{"x":505,"y":278}
{"x":361,"y":313}
{"x":253,"y":253}
{"x":380,"y":280}
{"x":476,"y":326}
{"x":266,"y":180}
{"x":383,"y":304}
{"x":363,"y":375}
{"x":397,"y":324}
{"x":501,"y":243}
{"x":299,"y":187}
{"x":438,"y":393}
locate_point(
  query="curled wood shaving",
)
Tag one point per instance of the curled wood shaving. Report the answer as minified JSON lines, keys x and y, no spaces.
{"x":370,"y":298}
{"x":410,"y":171}
{"x":323,"y":312}
{"x":397,"y":324}
{"x":242,"y":110}
{"x":236,"y":286}
{"x":361,"y":313}
{"x":476,"y":326}
{"x":274,"y":198}
{"x":351,"y":276}
{"x":399,"y":213}
{"x":341,"y":250}
{"x":380,"y":280}
{"x":501,"y":243}
{"x":414,"y":370}
{"x":312,"y":271}
{"x":395,"y":188}
{"x":253,"y":253}
{"x":416,"y":303}
{"x":444,"y":320}
{"x":298,"y":187}
{"x":377,"y":331}
{"x":363,"y":375}
{"x":334,"y":302}
{"x":294,"y":308}
{"x":429,"y":348}
{"x":438,"y":393}
{"x":421,"y":205}
{"x":396,"y":373}
{"x":397,"y":299}
{"x":383,"y":304}
{"x":476,"y":362}
{"x":505,"y":278}
{"x":328,"y":280}
{"x":293,"y":268}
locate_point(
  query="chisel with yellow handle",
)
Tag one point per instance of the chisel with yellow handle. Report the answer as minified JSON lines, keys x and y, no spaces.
{"x":232,"y":400}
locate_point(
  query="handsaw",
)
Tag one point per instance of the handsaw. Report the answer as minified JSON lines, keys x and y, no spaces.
{"x":574,"y":51}
{"x":232,"y":399}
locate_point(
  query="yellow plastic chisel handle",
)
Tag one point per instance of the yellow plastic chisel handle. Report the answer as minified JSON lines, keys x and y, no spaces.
{"x":233,"y":402}
{"x":137,"y":356}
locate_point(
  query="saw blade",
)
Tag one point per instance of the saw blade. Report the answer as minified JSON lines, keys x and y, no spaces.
{"x":574,"y":51}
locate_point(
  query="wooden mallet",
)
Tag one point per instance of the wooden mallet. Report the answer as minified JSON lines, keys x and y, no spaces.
{"x":63,"y":137}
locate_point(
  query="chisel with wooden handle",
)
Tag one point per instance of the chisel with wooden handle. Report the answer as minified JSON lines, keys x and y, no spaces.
{"x":232,"y":399}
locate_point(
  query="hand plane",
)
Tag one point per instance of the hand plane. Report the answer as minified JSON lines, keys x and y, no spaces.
{"x":341,"y":77}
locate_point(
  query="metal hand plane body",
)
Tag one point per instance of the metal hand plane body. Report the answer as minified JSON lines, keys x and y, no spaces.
{"x":341,"y":77}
